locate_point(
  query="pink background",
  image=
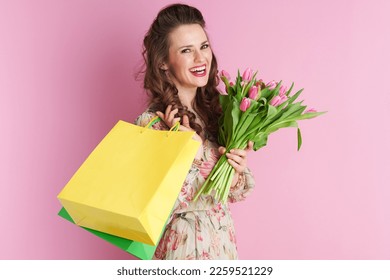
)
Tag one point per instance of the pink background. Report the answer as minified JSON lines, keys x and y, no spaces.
{"x":67,"y":76}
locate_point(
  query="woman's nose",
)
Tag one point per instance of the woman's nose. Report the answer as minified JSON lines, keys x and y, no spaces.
{"x":199,"y":57}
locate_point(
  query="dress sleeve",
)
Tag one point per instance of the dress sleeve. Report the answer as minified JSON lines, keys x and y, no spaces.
{"x":243,"y":187}
{"x":146,"y":117}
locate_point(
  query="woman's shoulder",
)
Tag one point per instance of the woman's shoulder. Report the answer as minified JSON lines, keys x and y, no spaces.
{"x":145,"y":118}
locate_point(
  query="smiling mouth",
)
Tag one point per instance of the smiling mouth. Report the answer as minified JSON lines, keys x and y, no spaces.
{"x":199,"y":71}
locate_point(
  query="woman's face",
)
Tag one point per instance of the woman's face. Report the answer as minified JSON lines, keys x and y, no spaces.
{"x":190,"y":57}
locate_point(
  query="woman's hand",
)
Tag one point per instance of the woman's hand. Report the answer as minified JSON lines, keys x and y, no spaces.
{"x":169,"y":116}
{"x":237,"y":158}
{"x":170,"y":120}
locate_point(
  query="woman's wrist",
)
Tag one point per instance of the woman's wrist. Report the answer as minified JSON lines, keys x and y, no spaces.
{"x":237,"y":179}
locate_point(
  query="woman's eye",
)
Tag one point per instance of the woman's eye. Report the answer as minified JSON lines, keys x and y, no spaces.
{"x":185,"y":51}
{"x":205,"y":46}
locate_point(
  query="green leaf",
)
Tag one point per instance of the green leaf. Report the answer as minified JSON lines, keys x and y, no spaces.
{"x":257,"y":123}
{"x":293,"y":110}
{"x":238,"y":90}
{"x":309,"y":115}
{"x":295,"y":96}
{"x":260,"y":140}
{"x":271,"y":111}
{"x":275,"y":126}
{"x":263,"y":100}
{"x":231,"y":119}
{"x":290,"y":89}
{"x":299,"y":138}
{"x":225,"y":81}
{"x":224,"y":100}
{"x":228,"y":120}
{"x":265,"y":93}
{"x":238,"y":79}
{"x":277,"y":88}
{"x":232,"y":91}
{"x":244,"y":123}
{"x":221,"y":136}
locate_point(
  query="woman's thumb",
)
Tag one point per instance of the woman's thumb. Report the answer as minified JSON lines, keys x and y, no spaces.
{"x":186,"y":121}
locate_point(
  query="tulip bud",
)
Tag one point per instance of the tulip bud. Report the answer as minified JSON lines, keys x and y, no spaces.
{"x":247,"y":75}
{"x":253,"y":93}
{"x":222,"y":89}
{"x":231,"y":84}
{"x":282,"y":90}
{"x":271,"y":85}
{"x":275,"y":101}
{"x":311,"y":110}
{"x":283,"y":98}
{"x":225,"y":74}
{"x":245,"y":104}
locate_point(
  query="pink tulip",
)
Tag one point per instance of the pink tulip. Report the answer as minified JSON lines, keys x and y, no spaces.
{"x":282,"y":90}
{"x":245,"y":104}
{"x":258,"y":83}
{"x":311,"y":110}
{"x":283,"y":98}
{"x":222,"y":89}
{"x":225,"y":74}
{"x":231,"y":84}
{"x":271,"y":85}
{"x":282,"y":94}
{"x":253,"y":93}
{"x":275,"y":101}
{"x":247,"y":75}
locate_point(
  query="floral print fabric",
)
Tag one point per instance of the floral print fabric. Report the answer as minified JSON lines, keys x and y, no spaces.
{"x":201,"y":229}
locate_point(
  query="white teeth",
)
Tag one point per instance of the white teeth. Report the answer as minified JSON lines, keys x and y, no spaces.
{"x":198,"y":69}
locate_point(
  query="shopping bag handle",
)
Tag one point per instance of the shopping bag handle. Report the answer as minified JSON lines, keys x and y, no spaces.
{"x":156,"y":119}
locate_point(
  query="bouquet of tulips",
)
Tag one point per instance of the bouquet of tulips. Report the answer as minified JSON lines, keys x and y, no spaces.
{"x":251,"y":110}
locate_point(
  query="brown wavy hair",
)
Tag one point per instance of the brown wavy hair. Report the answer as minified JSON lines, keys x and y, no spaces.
{"x":161,"y":90}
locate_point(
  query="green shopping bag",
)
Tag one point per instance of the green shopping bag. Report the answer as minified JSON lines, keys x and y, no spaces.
{"x":137,"y":249}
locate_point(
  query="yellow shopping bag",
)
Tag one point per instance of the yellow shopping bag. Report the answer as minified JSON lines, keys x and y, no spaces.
{"x":130,"y":182}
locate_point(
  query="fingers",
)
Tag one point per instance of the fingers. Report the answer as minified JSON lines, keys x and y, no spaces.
{"x":186,"y":121}
{"x":237,"y":152}
{"x":186,"y":127}
{"x":186,"y":124}
{"x":238,"y":167}
{"x":250,"y":146}
{"x":170,"y":121}
{"x":169,"y":116}
{"x":237,"y":158}
{"x":183,"y":128}
{"x":221,"y":150}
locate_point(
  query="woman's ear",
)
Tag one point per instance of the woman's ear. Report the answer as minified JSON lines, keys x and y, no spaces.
{"x":163,"y":67}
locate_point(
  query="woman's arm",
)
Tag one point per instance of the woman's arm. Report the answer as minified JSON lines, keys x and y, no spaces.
{"x":243,"y":187}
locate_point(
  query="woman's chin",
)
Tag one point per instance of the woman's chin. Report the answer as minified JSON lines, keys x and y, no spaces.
{"x":203,"y":82}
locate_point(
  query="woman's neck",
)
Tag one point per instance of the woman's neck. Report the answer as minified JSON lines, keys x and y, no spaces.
{"x":187,"y":97}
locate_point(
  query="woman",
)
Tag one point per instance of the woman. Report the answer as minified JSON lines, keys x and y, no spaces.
{"x":181,"y":79}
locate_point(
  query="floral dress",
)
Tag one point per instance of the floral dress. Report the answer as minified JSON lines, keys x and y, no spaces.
{"x":201,"y":229}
